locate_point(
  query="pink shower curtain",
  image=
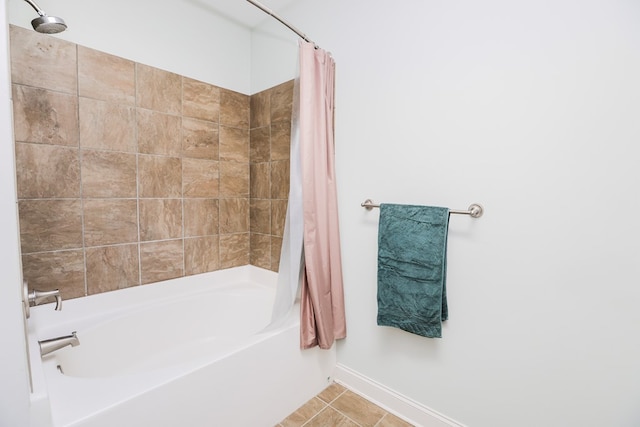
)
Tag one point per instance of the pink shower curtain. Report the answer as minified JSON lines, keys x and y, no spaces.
{"x":322,"y":296}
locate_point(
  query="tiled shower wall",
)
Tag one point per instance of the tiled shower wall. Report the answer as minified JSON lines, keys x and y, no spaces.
{"x":128,"y":174}
{"x":269,"y":172}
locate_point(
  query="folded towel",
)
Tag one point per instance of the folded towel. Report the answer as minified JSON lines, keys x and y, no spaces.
{"x":412,"y":268}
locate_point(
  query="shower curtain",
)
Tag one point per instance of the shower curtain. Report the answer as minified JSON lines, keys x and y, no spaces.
{"x":311,"y":255}
{"x":322,"y":298}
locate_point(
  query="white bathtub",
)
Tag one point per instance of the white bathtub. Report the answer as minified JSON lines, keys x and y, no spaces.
{"x":184,"y":352}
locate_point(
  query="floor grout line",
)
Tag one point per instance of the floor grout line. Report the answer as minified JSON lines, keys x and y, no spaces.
{"x":326,"y":405}
{"x":347,"y":417}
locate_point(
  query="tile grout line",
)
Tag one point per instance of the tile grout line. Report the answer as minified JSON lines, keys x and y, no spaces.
{"x":136,"y":135}
{"x":326,"y":405}
{"x":351,"y":419}
{"x":81,"y":195}
{"x":182,"y":155}
{"x":380,"y":420}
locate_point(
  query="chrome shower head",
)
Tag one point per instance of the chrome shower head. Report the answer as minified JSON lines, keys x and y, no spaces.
{"x":46,"y":24}
{"x":49,"y":24}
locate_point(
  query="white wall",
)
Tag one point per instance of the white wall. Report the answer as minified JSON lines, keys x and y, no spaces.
{"x":188,"y":37}
{"x":531,"y":109}
{"x":274,"y":55}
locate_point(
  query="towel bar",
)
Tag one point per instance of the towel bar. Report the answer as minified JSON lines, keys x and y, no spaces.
{"x":475,"y":210}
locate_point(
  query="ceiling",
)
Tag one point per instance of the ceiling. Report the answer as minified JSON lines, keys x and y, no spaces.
{"x":243,"y":12}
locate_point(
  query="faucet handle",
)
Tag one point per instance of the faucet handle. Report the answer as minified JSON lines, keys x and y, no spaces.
{"x":36,"y":297}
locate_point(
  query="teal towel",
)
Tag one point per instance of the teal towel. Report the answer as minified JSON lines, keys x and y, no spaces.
{"x":412,"y":268}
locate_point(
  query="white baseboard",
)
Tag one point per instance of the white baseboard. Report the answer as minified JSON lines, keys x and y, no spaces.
{"x":390,"y":400}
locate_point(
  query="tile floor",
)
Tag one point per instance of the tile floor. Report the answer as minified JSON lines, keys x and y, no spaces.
{"x":337,"y":406}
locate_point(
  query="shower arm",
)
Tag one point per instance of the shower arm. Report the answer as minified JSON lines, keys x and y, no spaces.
{"x":279,"y":19}
{"x":36,"y":8}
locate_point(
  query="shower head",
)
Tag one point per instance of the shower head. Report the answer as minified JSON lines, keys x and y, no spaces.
{"x":46,"y":24}
{"x":49,"y":24}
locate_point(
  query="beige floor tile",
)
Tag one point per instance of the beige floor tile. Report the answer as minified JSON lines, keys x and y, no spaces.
{"x":336,"y":406}
{"x":304,"y":413}
{"x":391,"y":420}
{"x":358,"y":409}
{"x":329,"y":417}
{"x":330,"y":393}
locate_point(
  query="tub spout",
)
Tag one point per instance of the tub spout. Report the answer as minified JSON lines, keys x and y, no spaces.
{"x":53,"y":344}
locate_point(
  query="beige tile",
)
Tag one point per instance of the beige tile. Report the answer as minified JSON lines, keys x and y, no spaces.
{"x":108,"y":174}
{"x":112,"y":267}
{"x":234,"y":144}
{"x":260,"y":109}
{"x":199,"y":139}
{"x":234,"y":179}
{"x":159,"y":133}
{"x":63,"y":270}
{"x":200,"y":217}
{"x":390,"y":420}
{"x":358,"y":409}
{"x":44,"y":116}
{"x":106,"y":77}
{"x":280,"y":179}
{"x":330,"y":417}
{"x":159,"y":177}
{"x":48,"y":225}
{"x":47,"y":171}
{"x":281,"y":102}
{"x":280,"y":140}
{"x":260,"y":180}
{"x":332,"y":392}
{"x":200,"y":100}
{"x":234,"y":109}
{"x":260,"y":144}
{"x":201,"y":255}
{"x":158,"y":90}
{"x":107,"y":126}
{"x":304,"y":413}
{"x":160,"y":219}
{"x":161,"y":260}
{"x":276,"y":247}
{"x":110,"y":222}
{"x":234,"y":216}
{"x":260,"y":250}
{"x":43,"y":61}
{"x":260,"y":216}
{"x":200,"y":178}
{"x":278,"y":215}
{"x":234,"y":250}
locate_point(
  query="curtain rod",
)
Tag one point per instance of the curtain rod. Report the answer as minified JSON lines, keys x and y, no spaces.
{"x":282,"y":21}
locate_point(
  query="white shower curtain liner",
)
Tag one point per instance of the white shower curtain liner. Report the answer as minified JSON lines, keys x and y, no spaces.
{"x":291,"y":255}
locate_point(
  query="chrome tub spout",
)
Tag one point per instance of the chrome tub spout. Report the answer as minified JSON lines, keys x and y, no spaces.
{"x":53,"y":344}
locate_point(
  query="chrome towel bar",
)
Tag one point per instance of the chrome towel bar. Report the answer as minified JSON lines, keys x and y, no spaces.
{"x":475,"y":210}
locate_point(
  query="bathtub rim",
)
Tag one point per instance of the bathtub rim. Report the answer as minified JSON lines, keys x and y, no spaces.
{"x":45,"y":322}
